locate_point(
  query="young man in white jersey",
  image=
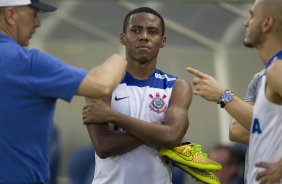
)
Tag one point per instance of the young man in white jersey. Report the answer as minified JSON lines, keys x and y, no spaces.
{"x":148,"y":110}
{"x":264,"y":121}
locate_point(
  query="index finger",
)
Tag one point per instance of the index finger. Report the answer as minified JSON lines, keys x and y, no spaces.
{"x":195,"y":72}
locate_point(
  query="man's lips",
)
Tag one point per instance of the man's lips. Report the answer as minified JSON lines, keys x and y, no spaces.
{"x":143,"y":47}
{"x":31,"y":35}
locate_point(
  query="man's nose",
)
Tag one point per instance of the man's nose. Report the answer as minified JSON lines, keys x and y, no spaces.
{"x":144,"y":35}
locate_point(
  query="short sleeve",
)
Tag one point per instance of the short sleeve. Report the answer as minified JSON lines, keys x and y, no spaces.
{"x":252,"y":89}
{"x":51,"y":77}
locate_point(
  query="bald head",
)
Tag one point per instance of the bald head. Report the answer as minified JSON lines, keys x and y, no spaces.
{"x":272,"y":8}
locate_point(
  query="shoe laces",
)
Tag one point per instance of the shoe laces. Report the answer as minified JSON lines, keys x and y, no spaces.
{"x":197,"y":148}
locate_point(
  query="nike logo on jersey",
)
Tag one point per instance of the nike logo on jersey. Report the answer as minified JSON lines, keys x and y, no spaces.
{"x":118,"y":99}
{"x":164,"y":76}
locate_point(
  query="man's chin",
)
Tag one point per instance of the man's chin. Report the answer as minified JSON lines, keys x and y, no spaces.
{"x":143,"y":59}
{"x":249,"y":45}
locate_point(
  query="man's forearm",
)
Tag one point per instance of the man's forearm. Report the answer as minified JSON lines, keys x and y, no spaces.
{"x":241,"y":111}
{"x":237,"y":133}
{"x":109,"y":143}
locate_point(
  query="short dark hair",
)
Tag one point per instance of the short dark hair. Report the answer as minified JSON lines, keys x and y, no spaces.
{"x":143,"y":10}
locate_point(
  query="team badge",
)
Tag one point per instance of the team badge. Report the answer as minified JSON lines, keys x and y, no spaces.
{"x":158,"y":104}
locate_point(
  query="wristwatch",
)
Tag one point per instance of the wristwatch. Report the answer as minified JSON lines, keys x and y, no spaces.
{"x":225,"y":97}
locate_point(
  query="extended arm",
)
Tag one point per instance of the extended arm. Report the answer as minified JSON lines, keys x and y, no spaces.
{"x":101,"y":80}
{"x":165,"y":134}
{"x":241,"y":111}
{"x":210,"y":89}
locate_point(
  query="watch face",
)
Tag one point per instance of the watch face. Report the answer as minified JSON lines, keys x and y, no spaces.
{"x":227,"y":96}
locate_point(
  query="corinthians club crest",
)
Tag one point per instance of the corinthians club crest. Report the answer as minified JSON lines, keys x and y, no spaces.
{"x":158,"y":104}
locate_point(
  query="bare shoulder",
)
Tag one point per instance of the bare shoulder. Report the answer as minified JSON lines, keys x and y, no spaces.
{"x":274,"y":71}
{"x":275,"y":67}
{"x":182,"y":90}
{"x":273,"y":79}
{"x":181,"y":83}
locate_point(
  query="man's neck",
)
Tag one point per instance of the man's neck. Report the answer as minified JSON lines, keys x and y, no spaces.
{"x":141,"y":71}
{"x":5,"y":31}
{"x":269,"y":48}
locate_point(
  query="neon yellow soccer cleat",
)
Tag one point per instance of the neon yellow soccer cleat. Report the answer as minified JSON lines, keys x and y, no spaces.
{"x":190,"y":155}
{"x":201,"y":175}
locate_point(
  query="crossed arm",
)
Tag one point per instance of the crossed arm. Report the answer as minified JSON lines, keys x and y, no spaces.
{"x":167,"y":133}
{"x":106,"y":141}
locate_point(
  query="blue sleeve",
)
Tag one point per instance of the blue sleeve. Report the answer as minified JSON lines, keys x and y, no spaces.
{"x":50,"y":77}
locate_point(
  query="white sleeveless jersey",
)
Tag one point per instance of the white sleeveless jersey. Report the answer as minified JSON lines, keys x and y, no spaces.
{"x":146,"y":100}
{"x":265,"y":139}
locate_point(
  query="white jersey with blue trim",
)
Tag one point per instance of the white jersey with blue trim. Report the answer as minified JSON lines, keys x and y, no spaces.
{"x":265,"y":138}
{"x":145,"y":100}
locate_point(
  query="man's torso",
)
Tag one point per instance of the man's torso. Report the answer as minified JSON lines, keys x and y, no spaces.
{"x":146,"y":100}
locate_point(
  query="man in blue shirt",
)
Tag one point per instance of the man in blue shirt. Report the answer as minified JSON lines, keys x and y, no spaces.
{"x":31,"y":81}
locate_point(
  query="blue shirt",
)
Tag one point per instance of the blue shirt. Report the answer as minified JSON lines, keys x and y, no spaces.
{"x":30,"y":83}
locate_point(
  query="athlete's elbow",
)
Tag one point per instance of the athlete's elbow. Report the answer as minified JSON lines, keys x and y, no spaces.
{"x":170,"y":142}
{"x":102,"y":150}
{"x":233,"y":134}
{"x":232,"y":138}
{"x":103,"y":89}
{"x":107,"y":89}
{"x":171,"y":145}
{"x":108,"y":86}
{"x":103,"y":153}
{"x":173,"y":138}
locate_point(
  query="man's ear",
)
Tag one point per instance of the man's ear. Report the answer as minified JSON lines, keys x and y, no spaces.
{"x":163,"y":41}
{"x":121,"y":38}
{"x":10,"y":15}
{"x":267,"y":24}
